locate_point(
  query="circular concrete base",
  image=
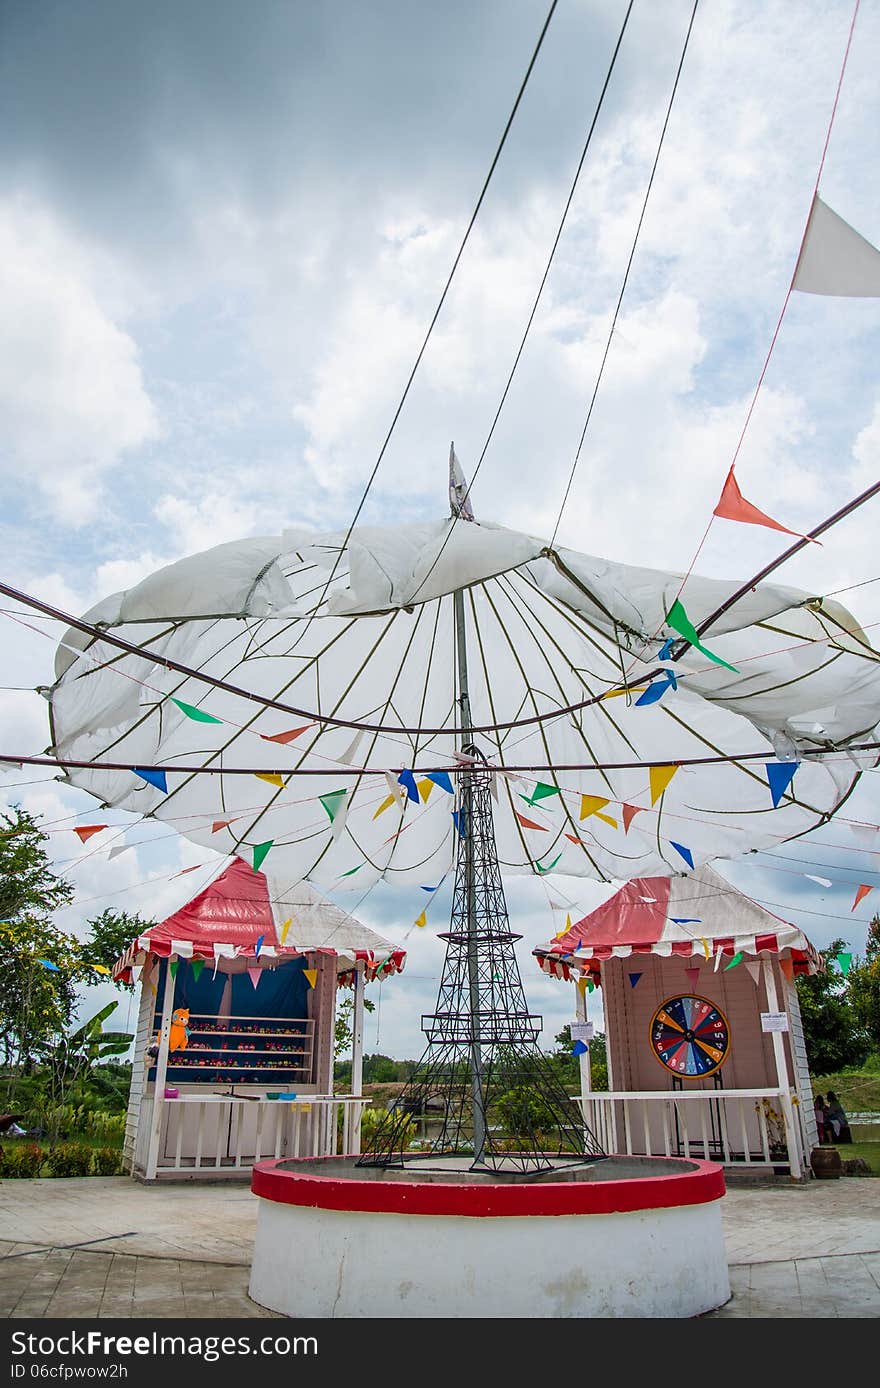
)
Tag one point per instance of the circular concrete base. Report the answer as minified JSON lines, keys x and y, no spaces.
{"x":623,"y":1237}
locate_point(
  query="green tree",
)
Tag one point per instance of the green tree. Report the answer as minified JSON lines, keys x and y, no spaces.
{"x":342,"y":1032}
{"x":40,"y":967}
{"x":568,"y":1063}
{"x":835,"y":1039}
{"x":74,"y":1056}
{"x":110,"y":935}
{"x":863,"y":986}
{"x":27,"y":883}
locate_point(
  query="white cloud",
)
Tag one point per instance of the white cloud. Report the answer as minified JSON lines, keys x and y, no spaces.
{"x":71,"y":387}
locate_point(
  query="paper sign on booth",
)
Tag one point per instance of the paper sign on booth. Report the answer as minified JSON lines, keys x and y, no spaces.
{"x":582,"y":1031}
{"x":774,"y":1021}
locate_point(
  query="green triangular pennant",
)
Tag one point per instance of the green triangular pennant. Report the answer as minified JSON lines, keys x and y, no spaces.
{"x":197,"y":965}
{"x":332,"y":802}
{"x":550,"y":866}
{"x":260,"y":852}
{"x":541,"y":792}
{"x":172,"y":967}
{"x":845,"y":961}
{"x":737,"y":959}
{"x":352,"y":871}
{"x":679,"y":620}
{"x":196,"y":714}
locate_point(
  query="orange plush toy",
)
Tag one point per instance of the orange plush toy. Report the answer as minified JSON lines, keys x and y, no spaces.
{"x":178,"y":1039}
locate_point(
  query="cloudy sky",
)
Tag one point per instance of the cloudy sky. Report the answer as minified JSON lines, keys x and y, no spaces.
{"x":224,"y":228}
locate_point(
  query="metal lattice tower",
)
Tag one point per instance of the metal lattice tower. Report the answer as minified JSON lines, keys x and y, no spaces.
{"x":499,"y":1099}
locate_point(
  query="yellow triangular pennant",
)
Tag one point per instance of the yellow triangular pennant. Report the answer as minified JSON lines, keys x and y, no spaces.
{"x":421,"y":920}
{"x":591,"y":804}
{"x":659,"y":777}
{"x":270,"y":777}
{"x":705,"y":943}
{"x":386,"y":804}
{"x":616,"y":693}
{"x":582,"y":984}
{"x":424,"y":788}
{"x":312,"y":976}
{"x":285,"y":927}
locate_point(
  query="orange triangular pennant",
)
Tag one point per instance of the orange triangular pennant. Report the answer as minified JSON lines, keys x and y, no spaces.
{"x":85,"y":831}
{"x":629,"y":814}
{"x":288,"y":736}
{"x":732,"y":505}
{"x":529,"y":823}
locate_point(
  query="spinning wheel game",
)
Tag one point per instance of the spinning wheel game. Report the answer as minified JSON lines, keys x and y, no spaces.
{"x":690,"y":1037}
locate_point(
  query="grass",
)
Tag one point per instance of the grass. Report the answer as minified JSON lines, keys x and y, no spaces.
{"x":869,"y":1150}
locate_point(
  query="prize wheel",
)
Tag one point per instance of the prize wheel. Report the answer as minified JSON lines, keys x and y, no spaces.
{"x":690,"y":1037}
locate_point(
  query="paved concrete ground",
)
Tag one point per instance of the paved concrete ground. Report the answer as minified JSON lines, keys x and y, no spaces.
{"x":172,"y":1250}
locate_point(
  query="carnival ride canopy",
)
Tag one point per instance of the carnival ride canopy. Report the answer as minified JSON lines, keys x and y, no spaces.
{"x":356,"y":645}
{"x":700,"y":914}
{"x":251,"y":915}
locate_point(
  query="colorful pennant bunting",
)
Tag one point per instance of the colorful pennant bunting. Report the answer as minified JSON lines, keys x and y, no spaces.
{"x":686,"y":920}
{"x":861,"y":893}
{"x":737,"y":959}
{"x":822,"y":881}
{"x":633,"y":979}
{"x":335,"y":802}
{"x":47,"y":964}
{"x":679,"y":620}
{"x":692,"y":975}
{"x":258,"y":946}
{"x":579,"y":1048}
{"x":684,"y":852}
{"x":705,"y":943}
{"x":754,"y":968}
{"x":100,"y":969}
{"x":196,"y":714}
{"x":787,"y":967}
{"x":254,"y":973}
{"x":424,"y":787}
{"x":421,"y":919}
{"x":271,"y":778}
{"x":458,"y":821}
{"x":529,"y":823}
{"x":351,"y":750}
{"x":173,"y":966}
{"x":285,"y":927}
{"x":261,"y":851}
{"x":844,"y":959}
{"x":658,"y":779}
{"x":197,"y":965}
{"x":386,"y":804}
{"x":312,"y":976}
{"x":220,"y":824}
{"x":780,"y":775}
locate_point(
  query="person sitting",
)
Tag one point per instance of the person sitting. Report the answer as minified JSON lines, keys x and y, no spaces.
{"x":821,"y":1111}
{"x":837,"y":1119}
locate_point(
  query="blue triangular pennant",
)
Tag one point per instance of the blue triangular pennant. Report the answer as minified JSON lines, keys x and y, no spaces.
{"x":441,"y":779}
{"x":665,"y":652}
{"x":579,"y":1048}
{"x":657,"y":689}
{"x":780,"y":775}
{"x":408,"y":781}
{"x":633,"y":979}
{"x":686,"y":920}
{"x":685,"y":852}
{"x":458,"y":821}
{"x":258,"y":946}
{"x":155,"y":778}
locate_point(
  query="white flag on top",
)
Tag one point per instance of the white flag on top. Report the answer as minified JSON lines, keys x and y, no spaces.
{"x":458,"y":497}
{"x":835,"y":259}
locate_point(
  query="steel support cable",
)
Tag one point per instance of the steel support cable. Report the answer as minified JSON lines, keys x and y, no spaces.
{"x":538,"y":296}
{"x":629,"y":264}
{"x":733,"y":758}
{"x":442,"y":299}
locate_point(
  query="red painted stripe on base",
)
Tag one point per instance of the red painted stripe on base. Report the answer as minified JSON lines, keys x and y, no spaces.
{"x":284,"y":1182}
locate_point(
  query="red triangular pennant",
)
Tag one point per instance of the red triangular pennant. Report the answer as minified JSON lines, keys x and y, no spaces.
{"x":529,"y":823}
{"x":692,"y":975}
{"x":85,"y":831}
{"x":288,"y":736}
{"x":732,"y":505}
{"x":629,"y":814}
{"x":861,"y":893}
{"x":220,"y":824}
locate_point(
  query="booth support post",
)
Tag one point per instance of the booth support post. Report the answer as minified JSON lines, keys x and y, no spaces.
{"x":357,"y":1052}
{"x":580,"y":1012}
{"x":791,"y":1131}
{"x":161,"y":1072}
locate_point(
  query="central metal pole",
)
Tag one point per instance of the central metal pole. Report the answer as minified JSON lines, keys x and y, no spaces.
{"x":466,"y":846}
